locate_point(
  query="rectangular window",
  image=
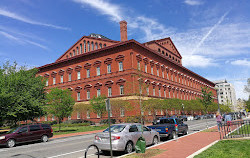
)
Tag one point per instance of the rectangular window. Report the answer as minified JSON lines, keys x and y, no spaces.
{"x":167,"y":76}
{"x":98,"y":92}
{"x":165,"y":93}
{"x":84,"y":46}
{"x":158,"y":72}
{"x":46,"y":118}
{"x":109,"y":92}
{"x":96,"y":46}
{"x":88,"y":114}
{"x":88,"y":94}
{"x":120,"y":66}
{"x":152,"y":70}
{"x":98,"y":73}
{"x":61,"y":78}
{"x":162,"y":74}
{"x":74,"y":52}
{"x":54,"y":80}
{"x":78,"y":96}
{"x":47,"y":82}
{"x":69,"y":117}
{"x":146,"y":68}
{"x":109,"y":68}
{"x":78,"y":75}
{"x":38,"y":119}
{"x":88,"y":47}
{"x":98,"y":115}
{"x":92,"y":46}
{"x":121,"y":90}
{"x":88,"y":73}
{"x":149,"y":113}
{"x":69,"y":77}
{"x":77,"y":50}
{"x":159,"y":92}
{"x":153,"y":91}
{"x":53,"y":118}
{"x":122,"y":112}
{"x":78,"y":115}
{"x":138,"y":65}
{"x":147,"y":91}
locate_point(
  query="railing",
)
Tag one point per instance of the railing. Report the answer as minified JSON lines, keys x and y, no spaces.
{"x":235,"y":129}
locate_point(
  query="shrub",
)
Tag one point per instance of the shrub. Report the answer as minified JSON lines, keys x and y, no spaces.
{"x":50,"y":122}
{"x":133,"y":119}
{"x":112,"y":121}
{"x":71,"y":125}
{"x":78,"y":121}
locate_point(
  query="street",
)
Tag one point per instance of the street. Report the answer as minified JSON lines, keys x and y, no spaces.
{"x":73,"y":147}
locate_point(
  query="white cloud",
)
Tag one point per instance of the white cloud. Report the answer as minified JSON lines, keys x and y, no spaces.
{"x":198,"y":60}
{"x":21,"y":18}
{"x":22,"y":40}
{"x":104,"y":8}
{"x":193,"y":2}
{"x":243,"y":62}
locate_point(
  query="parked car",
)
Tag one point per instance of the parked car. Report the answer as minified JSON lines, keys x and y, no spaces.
{"x":170,"y":127}
{"x":124,"y":137}
{"x":183,"y":117}
{"x":26,"y":133}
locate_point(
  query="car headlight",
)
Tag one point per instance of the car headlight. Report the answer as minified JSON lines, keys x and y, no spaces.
{"x":2,"y":137}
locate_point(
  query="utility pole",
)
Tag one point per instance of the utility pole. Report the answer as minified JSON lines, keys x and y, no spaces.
{"x":110,"y":141}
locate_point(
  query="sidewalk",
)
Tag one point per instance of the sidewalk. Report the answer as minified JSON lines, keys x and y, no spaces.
{"x":187,"y":145}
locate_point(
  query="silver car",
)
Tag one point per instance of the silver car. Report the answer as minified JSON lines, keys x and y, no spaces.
{"x":124,"y":137}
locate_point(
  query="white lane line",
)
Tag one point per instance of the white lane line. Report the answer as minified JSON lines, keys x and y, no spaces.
{"x":67,"y":153}
{"x":1,"y":150}
{"x":87,"y":155}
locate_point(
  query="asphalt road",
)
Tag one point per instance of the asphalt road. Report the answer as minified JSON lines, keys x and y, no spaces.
{"x":73,"y":147}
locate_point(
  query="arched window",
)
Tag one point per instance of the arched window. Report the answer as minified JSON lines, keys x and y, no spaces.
{"x":81,"y":48}
{"x":74,"y":52}
{"x":70,"y":54}
{"x":166,"y":54}
{"x":100,"y":45}
{"x":84,"y":45}
{"x":159,"y":50}
{"x":92,"y":44}
{"x":163,"y":52}
{"x":77,"y":50}
{"x":96,"y":46}
{"x":88,"y":46}
{"x":104,"y":45}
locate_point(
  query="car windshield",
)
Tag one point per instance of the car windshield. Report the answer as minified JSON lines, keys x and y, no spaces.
{"x":164,"y":121}
{"x":115,"y":128}
{"x":13,"y":130}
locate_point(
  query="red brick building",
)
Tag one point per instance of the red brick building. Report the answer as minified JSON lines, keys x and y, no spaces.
{"x":95,"y":65}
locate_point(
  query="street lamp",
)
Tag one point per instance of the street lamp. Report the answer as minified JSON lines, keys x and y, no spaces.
{"x":183,"y":108}
{"x":217,"y":92}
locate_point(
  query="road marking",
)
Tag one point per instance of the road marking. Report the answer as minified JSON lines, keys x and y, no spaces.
{"x":87,"y":155}
{"x":1,"y":150}
{"x":67,"y":153}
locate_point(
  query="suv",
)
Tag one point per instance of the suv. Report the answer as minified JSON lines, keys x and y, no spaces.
{"x":26,"y":133}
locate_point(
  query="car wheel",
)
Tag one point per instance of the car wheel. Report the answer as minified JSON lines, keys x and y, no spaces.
{"x":44,"y":138}
{"x":186,"y":132}
{"x":174,"y":135}
{"x":11,"y":143}
{"x":129,"y":147}
{"x":155,"y":140}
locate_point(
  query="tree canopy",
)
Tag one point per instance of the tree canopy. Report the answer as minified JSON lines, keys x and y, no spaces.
{"x":98,"y":105}
{"x":22,"y":93}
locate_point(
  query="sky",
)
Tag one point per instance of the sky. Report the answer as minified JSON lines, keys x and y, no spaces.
{"x":212,"y":36}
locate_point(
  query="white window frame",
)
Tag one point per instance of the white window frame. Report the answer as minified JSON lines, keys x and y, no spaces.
{"x":163,"y":74}
{"x":109,"y":68}
{"x":88,"y":73}
{"x":153,"y":91}
{"x":97,"y":115}
{"x":70,"y":79}
{"x":78,"y":115}
{"x":109,"y":92}
{"x":147,"y":89}
{"x":146,"y":68}
{"x":69,"y":117}
{"x":122,"y":112}
{"x":54,"y":80}
{"x":47,"y":82}
{"x":88,"y":94}
{"x":98,"y":71}
{"x":45,"y":118}
{"x":159,"y":92}
{"x":152,"y":70}
{"x":88,"y":114}
{"x":78,"y":96}
{"x":61,"y":78}
{"x":78,"y":75}
{"x":138,"y":65}
{"x":158,"y":74}
{"x":120,"y":66}
{"x":165,"y":95}
{"x":98,"y":92}
{"x":121,"y":90}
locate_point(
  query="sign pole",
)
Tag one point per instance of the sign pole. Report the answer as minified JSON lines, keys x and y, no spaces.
{"x":110,"y":141}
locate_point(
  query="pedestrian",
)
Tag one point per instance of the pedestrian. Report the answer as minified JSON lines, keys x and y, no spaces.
{"x":218,"y":119}
{"x":228,"y":121}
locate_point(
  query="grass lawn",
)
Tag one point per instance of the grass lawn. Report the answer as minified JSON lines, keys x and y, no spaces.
{"x":147,"y":154}
{"x":226,"y":149}
{"x":243,"y":130}
{"x":75,"y":129}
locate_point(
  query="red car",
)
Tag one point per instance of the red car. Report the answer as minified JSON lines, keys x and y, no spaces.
{"x":26,"y":133}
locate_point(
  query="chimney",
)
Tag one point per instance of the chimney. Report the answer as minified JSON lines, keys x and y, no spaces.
{"x":123,"y":30}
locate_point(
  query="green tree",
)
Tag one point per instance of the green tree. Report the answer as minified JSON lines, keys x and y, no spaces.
{"x":206,"y":99}
{"x":22,"y":93}
{"x":117,"y":105}
{"x":59,"y":104}
{"x":98,"y":105}
{"x":152,"y":105}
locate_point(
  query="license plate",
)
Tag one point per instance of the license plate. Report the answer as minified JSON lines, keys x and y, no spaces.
{"x":158,"y":129}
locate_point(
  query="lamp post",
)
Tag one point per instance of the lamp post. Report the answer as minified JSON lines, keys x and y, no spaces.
{"x":183,"y":108}
{"x":217,"y":92}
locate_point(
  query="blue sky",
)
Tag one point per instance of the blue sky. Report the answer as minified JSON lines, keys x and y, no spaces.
{"x":212,"y":36}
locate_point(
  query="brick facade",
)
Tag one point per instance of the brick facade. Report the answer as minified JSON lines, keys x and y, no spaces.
{"x":118,"y":64}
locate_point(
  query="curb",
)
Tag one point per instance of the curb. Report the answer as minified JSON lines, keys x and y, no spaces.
{"x":202,"y":149}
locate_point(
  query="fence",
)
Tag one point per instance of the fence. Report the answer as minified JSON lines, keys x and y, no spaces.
{"x":235,"y":129}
